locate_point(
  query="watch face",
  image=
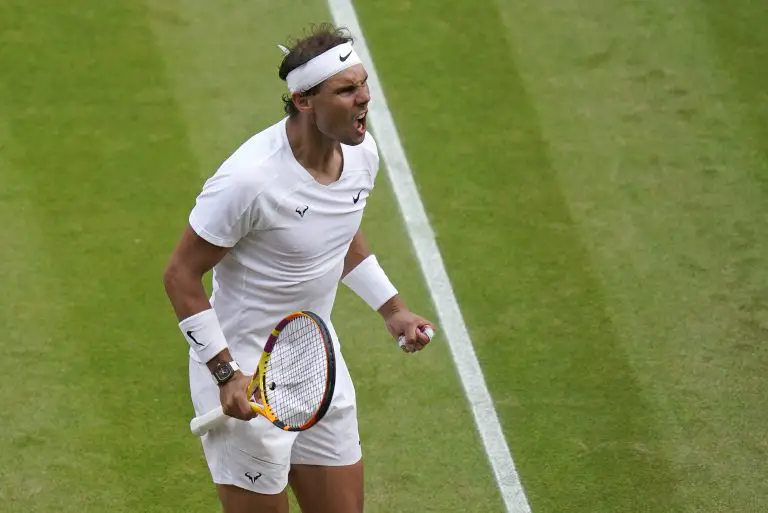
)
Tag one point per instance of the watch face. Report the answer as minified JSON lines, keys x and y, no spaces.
{"x":223,"y":371}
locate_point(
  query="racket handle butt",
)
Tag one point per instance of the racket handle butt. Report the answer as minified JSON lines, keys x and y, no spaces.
{"x":204,"y":423}
{"x":427,"y":330}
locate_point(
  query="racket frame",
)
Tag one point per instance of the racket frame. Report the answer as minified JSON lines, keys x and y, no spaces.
{"x":204,"y":423}
{"x":260,"y":376}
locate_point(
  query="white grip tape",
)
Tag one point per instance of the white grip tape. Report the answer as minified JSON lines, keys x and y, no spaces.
{"x":427,"y":330}
{"x":204,"y":423}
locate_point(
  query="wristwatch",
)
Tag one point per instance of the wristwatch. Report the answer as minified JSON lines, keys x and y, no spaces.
{"x":225,"y":371}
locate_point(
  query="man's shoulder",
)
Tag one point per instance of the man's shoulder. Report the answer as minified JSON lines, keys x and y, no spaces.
{"x":260,"y":148}
{"x":257,"y":160}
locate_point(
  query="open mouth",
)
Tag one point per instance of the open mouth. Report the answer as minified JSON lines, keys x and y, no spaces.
{"x":360,"y":122}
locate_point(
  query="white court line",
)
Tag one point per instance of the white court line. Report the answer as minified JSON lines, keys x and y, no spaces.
{"x":428,"y":254}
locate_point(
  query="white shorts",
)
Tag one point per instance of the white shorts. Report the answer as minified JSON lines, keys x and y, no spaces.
{"x":256,"y":455}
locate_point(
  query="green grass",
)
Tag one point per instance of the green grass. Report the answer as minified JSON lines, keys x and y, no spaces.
{"x":582,"y":434}
{"x":658,"y":158}
{"x":115,"y":116}
{"x":596,"y":176}
{"x":95,"y":145}
{"x":600,"y":174}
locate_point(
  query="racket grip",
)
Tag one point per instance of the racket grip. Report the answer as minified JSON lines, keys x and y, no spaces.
{"x":427,"y":330}
{"x":204,"y":423}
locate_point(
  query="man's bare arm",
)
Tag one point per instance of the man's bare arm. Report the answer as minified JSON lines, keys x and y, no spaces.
{"x":400,"y":321}
{"x":183,"y":277}
{"x":183,"y":280}
{"x":357,"y":252}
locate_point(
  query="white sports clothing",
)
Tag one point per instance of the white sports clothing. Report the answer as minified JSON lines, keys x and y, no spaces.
{"x":288,"y":233}
{"x":288,"y":236}
{"x":256,"y":456}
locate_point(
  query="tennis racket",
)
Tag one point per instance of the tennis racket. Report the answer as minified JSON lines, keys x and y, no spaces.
{"x":293,"y":383}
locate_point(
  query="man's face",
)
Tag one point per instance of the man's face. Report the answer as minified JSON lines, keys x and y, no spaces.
{"x":341,"y":105}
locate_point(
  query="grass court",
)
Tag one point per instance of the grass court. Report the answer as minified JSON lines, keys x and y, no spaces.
{"x":596,"y":173}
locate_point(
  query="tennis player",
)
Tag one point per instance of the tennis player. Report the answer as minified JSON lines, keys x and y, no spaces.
{"x":279,"y":224}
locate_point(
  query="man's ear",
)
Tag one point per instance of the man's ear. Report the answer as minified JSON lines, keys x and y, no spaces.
{"x":302,"y":102}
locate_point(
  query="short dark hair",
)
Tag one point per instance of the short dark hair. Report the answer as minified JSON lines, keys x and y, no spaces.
{"x":320,"y":39}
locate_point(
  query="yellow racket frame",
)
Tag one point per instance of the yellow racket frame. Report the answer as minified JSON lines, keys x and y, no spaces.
{"x":258,"y":380}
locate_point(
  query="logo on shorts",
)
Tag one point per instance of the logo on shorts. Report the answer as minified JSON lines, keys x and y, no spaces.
{"x":253,"y":478}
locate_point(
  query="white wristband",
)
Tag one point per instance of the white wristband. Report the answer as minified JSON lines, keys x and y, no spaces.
{"x":203,"y":334}
{"x":369,"y":281}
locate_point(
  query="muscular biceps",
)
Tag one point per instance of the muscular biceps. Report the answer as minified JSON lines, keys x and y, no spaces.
{"x":183,"y":277}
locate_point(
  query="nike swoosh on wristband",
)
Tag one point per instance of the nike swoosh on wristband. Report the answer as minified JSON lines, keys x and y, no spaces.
{"x":189,"y":334}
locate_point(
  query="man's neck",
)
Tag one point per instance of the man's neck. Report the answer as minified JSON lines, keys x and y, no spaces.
{"x":318,"y":154}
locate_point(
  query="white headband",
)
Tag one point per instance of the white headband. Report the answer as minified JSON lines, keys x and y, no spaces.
{"x":322,"y":67}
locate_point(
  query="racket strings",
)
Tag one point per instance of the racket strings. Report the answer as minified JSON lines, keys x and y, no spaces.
{"x":297,"y":375}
